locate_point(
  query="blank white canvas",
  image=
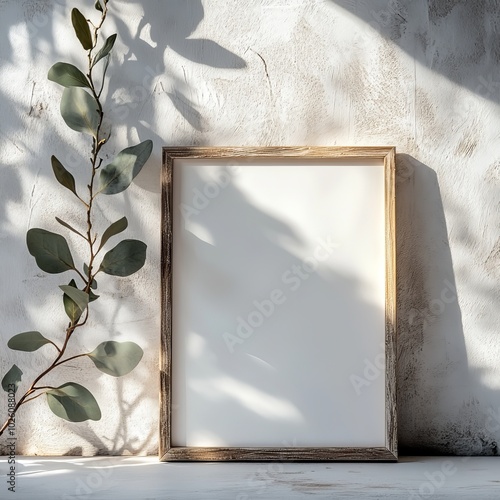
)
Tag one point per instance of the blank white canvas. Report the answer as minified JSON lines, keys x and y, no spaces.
{"x":303,"y":370}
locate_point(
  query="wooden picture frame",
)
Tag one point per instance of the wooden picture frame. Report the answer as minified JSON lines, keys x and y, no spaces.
{"x":333,"y":175}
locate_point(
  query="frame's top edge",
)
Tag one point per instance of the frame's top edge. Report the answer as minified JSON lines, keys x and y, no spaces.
{"x":277,"y":151}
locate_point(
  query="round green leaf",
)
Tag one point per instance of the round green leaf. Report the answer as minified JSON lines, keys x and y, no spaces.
{"x":82,"y":29}
{"x":67,"y":75}
{"x":115,"y":228}
{"x":116,"y":358}
{"x":117,"y":175}
{"x":50,"y":250}
{"x":125,"y":259}
{"x":106,"y":49}
{"x":80,"y":110}
{"x":62,"y":175}
{"x":27,"y":341}
{"x":73,"y":402}
{"x":12,"y":378}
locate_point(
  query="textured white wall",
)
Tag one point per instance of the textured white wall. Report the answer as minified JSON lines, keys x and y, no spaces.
{"x":423,"y":76}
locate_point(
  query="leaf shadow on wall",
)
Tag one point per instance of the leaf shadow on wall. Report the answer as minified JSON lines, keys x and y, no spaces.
{"x":171,"y":26}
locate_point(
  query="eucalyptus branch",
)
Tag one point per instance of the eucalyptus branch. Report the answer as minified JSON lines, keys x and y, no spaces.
{"x":82,"y":110}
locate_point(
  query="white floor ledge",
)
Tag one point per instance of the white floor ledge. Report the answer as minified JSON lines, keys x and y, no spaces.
{"x":144,"y":478}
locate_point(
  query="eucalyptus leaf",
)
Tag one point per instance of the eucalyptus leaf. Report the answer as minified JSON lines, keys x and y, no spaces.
{"x":80,"y":298}
{"x":73,"y":311}
{"x":117,"y":175}
{"x":27,"y":341}
{"x":62,"y":175}
{"x":116,"y":358}
{"x":82,"y":29}
{"x":80,"y":110}
{"x":115,"y":228}
{"x":92,"y":296}
{"x":98,"y":5}
{"x":67,"y":75}
{"x":12,"y":378}
{"x":73,"y":402}
{"x":124,"y":259}
{"x":86,"y":273}
{"x":50,"y":250}
{"x":106,"y":49}
{"x":67,"y":226}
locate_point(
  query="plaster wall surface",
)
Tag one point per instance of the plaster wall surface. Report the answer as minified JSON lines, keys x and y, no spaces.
{"x":423,"y":76}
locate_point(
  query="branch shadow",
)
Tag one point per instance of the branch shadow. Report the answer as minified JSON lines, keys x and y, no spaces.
{"x":171,"y":26}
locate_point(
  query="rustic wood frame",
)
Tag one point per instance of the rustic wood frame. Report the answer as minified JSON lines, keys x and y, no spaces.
{"x":386,"y":453}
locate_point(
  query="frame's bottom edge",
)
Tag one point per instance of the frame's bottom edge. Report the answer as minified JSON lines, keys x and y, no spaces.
{"x":192,"y":454}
